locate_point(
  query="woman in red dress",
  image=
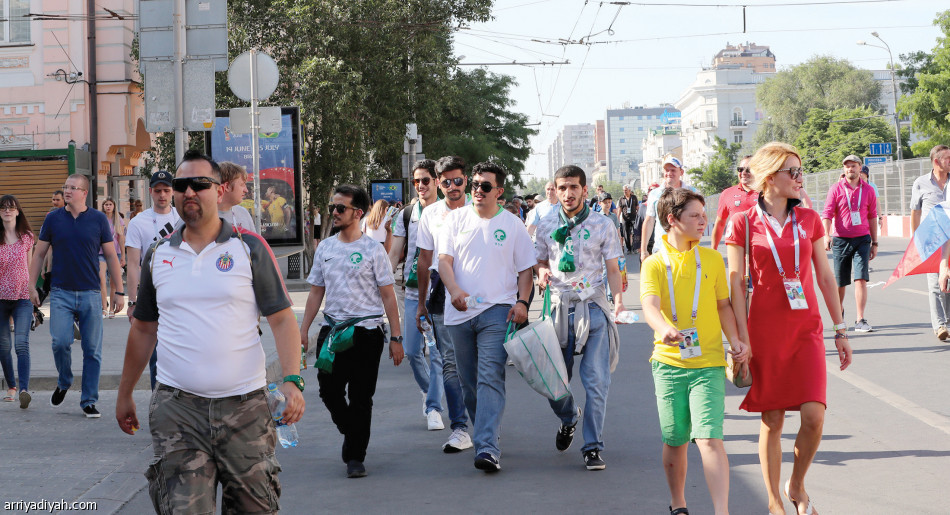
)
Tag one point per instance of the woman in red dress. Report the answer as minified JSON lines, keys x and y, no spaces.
{"x":784,"y":329}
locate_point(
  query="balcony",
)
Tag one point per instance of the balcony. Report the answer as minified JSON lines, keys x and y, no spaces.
{"x":737,"y":124}
{"x":705,"y":125}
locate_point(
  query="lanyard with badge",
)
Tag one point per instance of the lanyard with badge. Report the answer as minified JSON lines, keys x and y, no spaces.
{"x":689,"y":347}
{"x":793,"y":287}
{"x":855,"y":215}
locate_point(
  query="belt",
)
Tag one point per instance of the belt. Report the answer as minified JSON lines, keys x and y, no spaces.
{"x":178,"y":392}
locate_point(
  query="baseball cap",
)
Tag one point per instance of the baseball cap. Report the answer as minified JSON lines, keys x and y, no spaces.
{"x":605,"y":196}
{"x":865,"y":170}
{"x":852,"y":158}
{"x":160,"y":177}
{"x":672,"y":161}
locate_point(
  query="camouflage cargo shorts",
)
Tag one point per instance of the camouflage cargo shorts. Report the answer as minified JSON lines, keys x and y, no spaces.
{"x":200,"y":442}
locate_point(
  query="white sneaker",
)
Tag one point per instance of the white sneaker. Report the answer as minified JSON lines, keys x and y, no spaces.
{"x":425,"y":409}
{"x":458,"y":442}
{"x":435,"y":421}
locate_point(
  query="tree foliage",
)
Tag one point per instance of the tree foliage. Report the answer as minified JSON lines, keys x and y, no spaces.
{"x":929,"y":104}
{"x":719,"y":173}
{"x":827,"y":137}
{"x":534,"y":185}
{"x":822,"y":82}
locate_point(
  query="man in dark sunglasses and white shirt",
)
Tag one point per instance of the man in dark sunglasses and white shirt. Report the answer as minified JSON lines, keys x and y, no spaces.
{"x":452,"y":182}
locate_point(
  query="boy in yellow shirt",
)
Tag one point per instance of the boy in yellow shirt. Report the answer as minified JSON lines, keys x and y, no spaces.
{"x":688,"y":359}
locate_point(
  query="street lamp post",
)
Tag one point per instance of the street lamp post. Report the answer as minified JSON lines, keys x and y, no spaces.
{"x":897,"y":122}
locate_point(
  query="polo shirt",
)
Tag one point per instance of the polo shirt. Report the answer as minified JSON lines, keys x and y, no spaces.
{"x":713,"y":288}
{"x":927,"y":193}
{"x":206,"y":305}
{"x":842,"y":200}
{"x":76,"y":243}
{"x":593,"y":242}
{"x":733,"y":200}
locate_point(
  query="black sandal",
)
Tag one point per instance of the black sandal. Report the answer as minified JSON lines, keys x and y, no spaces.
{"x":679,"y":511}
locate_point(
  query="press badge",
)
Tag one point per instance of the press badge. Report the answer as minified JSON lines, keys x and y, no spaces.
{"x":795,"y":294}
{"x":689,"y":347}
{"x":583,"y":288}
{"x":856,"y":218}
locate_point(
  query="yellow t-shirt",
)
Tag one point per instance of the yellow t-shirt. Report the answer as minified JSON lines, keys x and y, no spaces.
{"x":653,"y":281}
{"x":276,"y":210}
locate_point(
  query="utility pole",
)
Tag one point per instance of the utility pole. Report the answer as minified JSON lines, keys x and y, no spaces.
{"x":93,"y":104}
{"x":181,"y":136}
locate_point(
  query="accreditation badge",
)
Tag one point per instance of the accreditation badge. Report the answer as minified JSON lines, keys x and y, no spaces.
{"x":583,"y":288}
{"x":856,"y":218}
{"x":689,"y":347}
{"x":795,"y":294}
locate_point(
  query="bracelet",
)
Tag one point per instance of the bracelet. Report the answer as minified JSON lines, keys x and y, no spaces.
{"x":120,"y":293}
{"x":522,"y":301}
{"x":874,"y":243}
{"x":839,"y":336}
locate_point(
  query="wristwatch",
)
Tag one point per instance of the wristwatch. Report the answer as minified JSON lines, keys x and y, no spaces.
{"x":296,"y":379}
{"x":522,"y":301}
{"x":874,"y":243}
{"x":838,"y":327}
{"x":397,"y":339}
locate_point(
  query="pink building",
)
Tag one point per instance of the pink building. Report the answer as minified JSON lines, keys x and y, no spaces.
{"x":45,"y":93}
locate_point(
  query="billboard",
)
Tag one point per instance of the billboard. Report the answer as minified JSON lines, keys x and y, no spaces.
{"x":391,"y":191}
{"x":281,"y":172}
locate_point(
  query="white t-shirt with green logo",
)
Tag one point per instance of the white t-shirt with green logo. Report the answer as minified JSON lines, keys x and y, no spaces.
{"x":352,"y":274}
{"x":488,"y":254}
{"x":431,"y":224}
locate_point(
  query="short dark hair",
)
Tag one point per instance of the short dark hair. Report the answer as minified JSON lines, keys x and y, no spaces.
{"x":358,"y":196}
{"x":569,"y":171}
{"x":425,"y":164}
{"x":675,"y":200}
{"x":58,"y":192}
{"x":936,"y":150}
{"x":449,"y":163}
{"x":492,"y":168}
{"x":196,"y":155}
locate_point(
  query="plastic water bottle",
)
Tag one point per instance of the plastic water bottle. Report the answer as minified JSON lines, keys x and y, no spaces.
{"x":628,"y":317}
{"x":286,"y":434}
{"x":427,"y":331}
{"x":303,"y":358}
{"x":473,"y":301}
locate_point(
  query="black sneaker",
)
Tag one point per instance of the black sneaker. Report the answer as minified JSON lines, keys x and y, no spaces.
{"x":487,"y":462}
{"x":593,"y":460}
{"x":91,"y":411}
{"x":57,"y":398}
{"x":355,"y":469}
{"x":565,"y":435}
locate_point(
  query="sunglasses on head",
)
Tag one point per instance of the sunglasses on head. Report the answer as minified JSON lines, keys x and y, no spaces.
{"x":794,"y":172}
{"x":484,"y":186}
{"x":340,"y":208}
{"x":743,"y":169}
{"x":424,"y":181}
{"x":458,"y":181}
{"x":196,"y":184}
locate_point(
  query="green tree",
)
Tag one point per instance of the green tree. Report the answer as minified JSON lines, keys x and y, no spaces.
{"x":827,"y":137}
{"x":929,"y":104}
{"x":822,"y":82}
{"x":719,"y":173}
{"x":534,"y":185}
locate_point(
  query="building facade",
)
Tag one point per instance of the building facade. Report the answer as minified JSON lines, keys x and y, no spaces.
{"x":574,"y":145}
{"x":625,"y":131}
{"x":758,"y":58}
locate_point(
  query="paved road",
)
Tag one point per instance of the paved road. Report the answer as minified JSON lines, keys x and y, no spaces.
{"x":886,"y":448}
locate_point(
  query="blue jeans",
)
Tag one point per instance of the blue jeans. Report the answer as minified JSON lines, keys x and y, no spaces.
{"x":428,"y":375}
{"x":22,"y":313}
{"x":595,"y":376}
{"x":450,"y":376}
{"x":86,"y":306}
{"x":480,"y":351}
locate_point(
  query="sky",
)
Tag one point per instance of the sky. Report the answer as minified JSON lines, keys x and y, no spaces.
{"x":648,"y":52}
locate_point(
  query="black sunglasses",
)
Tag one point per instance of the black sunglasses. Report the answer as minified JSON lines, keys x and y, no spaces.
{"x":425,"y":181}
{"x":340,"y":208}
{"x":743,"y":169}
{"x":794,"y":172}
{"x":458,"y":181}
{"x":484,"y":186}
{"x":195,"y":183}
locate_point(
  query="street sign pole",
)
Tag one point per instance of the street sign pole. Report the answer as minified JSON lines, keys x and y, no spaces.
{"x":179,"y":36}
{"x":255,"y":143}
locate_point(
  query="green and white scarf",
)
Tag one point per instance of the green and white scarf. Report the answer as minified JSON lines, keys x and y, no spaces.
{"x":562,"y":235}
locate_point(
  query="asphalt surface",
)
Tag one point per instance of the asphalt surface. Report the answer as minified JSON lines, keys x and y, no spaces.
{"x":886,"y":445}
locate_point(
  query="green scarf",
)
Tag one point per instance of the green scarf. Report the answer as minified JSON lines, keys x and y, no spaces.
{"x":339,"y":339}
{"x":562,"y":235}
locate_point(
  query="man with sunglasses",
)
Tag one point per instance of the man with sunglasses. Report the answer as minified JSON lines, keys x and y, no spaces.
{"x":485,"y":260}
{"x":76,"y":235}
{"x":852,"y":206}
{"x":734,"y":199}
{"x":200,"y":296}
{"x":452,"y":182}
{"x":149,"y":226}
{"x":428,"y":375}
{"x":352,"y":272}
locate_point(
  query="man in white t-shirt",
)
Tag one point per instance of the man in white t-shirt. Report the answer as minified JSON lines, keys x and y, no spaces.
{"x":351,"y":271}
{"x":485,"y":260}
{"x":543,"y":208}
{"x":149,"y":226}
{"x":451,"y":174}
{"x":672,"y":178}
{"x":234,"y":184}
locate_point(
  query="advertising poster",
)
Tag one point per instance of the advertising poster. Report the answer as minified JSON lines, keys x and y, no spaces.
{"x":390,"y":191}
{"x":280,"y":173}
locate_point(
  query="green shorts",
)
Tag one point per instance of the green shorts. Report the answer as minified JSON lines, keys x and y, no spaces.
{"x":691,"y":402}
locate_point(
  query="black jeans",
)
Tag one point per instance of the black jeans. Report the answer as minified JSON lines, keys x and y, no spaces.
{"x":348,"y":391}
{"x":630,"y":239}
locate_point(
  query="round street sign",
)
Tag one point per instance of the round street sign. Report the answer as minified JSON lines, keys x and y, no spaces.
{"x":239,"y":76}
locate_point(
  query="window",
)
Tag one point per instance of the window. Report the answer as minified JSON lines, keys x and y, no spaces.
{"x":621,"y":129}
{"x":15,"y":26}
{"x":621,"y":117}
{"x":623,"y":140}
{"x":623,"y":151}
{"x":737,"y":136}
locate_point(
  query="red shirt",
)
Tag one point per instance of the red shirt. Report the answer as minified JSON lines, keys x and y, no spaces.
{"x":735,"y":200}
{"x":14,"y":274}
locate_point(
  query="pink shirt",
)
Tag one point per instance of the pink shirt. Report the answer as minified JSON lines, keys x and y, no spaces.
{"x":14,"y":274}
{"x":842,"y":200}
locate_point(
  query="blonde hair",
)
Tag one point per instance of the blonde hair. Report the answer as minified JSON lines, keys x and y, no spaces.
{"x":377,"y":214}
{"x":768,"y":160}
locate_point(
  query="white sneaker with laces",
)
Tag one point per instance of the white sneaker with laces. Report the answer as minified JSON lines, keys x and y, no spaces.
{"x":458,"y":442}
{"x":434,"y":420}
